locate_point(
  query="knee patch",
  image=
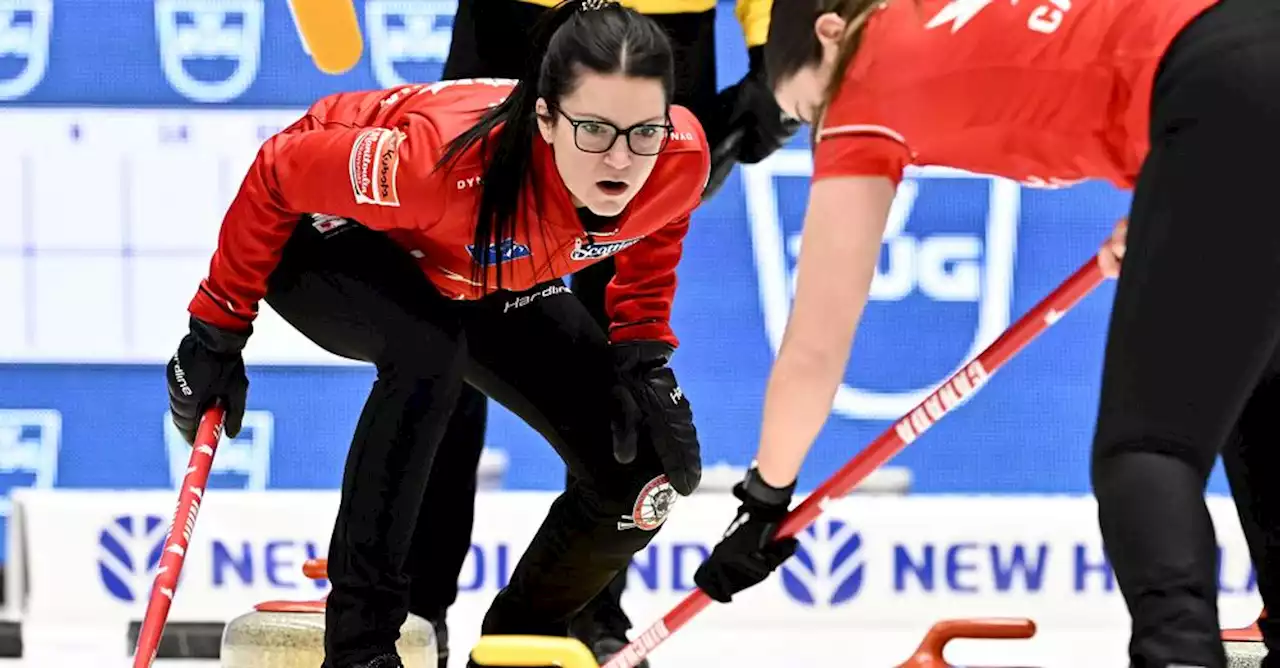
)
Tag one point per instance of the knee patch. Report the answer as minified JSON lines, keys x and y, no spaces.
{"x":636,"y":506}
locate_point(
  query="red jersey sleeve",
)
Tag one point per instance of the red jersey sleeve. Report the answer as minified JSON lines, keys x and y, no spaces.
{"x":639,"y":297}
{"x":381,"y":177}
{"x":857,"y":137}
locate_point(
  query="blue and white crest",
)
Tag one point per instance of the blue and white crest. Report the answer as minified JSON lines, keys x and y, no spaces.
{"x":209,"y":49}
{"x":941,"y":293}
{"x":25,"y":28}
{"x":827,"y":569}
{"x":408,"y":33}
{"x":29,"y":443}
{"x":129,"y":549}
{"x":243,"y":462}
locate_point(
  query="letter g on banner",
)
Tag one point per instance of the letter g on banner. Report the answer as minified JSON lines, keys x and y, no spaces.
{"x":24,"y":37}
{"x":929,"y":273}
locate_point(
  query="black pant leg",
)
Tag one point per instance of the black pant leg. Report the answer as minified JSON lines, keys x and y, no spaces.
{"x":442,"y":538}
{"x":1251,"y":461}
{"x":549,"y":362}
{"x":1195,"y":322}
{"x":693,"y":42}
{"x":357,"y":294}
{"x":489,"y":39}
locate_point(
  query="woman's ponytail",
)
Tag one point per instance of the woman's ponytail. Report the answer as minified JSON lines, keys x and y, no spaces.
{"x":509,"y":160}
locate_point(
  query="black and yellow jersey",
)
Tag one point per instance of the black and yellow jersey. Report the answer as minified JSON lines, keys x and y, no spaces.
{"x":753,"y":15}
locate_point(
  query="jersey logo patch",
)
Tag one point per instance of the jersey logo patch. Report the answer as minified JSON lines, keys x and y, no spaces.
{"x":595,"y":251}
{"x":375,"y":157}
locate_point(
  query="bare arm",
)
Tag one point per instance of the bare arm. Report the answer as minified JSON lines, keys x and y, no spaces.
{"x":840,"y":247}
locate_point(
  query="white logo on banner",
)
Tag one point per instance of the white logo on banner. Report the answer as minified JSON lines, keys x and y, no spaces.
{"x":228,"y":32}
{"x":403,"y":31}
{"x":247,"y":456}
{"x":29,"y":444}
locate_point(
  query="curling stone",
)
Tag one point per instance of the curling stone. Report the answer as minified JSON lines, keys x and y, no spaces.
{"x":290,"y":634}
{"x":1244,"y":646}
{"x":931,"y":650}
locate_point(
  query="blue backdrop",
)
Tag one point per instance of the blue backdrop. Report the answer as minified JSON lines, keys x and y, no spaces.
{"x":966,"y":259}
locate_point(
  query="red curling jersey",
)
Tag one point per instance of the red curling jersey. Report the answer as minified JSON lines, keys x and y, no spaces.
{"x":1039,"y":91}
{"x":371,"y":157}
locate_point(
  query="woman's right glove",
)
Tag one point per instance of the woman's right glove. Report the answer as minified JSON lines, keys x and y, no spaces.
{"x":648,"y":405}
{"x":749,"y":551}
{"x":207,"y":366}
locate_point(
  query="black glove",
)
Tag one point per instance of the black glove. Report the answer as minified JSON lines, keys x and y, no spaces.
{"x":207,"y":366}
{"x":746,"y":124}
{"x":647,"y":401}
{"x":748,"y":553}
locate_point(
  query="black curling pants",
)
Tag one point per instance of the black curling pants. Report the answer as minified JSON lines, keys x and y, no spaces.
{"x":1193,"y":351}
{"x":357,"y":294}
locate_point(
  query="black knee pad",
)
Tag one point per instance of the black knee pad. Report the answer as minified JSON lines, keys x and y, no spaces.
{"x":1200,"y":457}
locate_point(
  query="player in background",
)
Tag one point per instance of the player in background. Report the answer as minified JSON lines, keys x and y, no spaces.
{"x":363,"y":225}
{"x":1176,"y":99}
{"x":743,"y":124}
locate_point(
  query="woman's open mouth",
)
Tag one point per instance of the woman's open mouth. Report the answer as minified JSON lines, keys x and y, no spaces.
{"x":612,"y":188}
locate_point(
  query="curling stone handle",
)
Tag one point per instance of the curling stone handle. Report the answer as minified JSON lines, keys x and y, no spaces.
{"x":931,"y":650}
{"x":316,"y":569}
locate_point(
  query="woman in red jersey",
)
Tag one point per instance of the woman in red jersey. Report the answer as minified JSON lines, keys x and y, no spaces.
{"x":1172,"y":99}
{"x":424,"y":229}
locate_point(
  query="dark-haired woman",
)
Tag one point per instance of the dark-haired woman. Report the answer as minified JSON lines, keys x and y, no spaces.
{"x":743,"y":123}
{"x":424,"y":229}
{"x":1178,"y":100}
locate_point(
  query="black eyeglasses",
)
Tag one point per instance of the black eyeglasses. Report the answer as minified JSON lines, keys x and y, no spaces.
{"x":593,"y":136}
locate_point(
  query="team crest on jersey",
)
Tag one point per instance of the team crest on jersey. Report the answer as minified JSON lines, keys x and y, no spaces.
{"x":587,"y":250}
{"x":375,"y":158}
{"x":408,"y":39}
{"x":946,"y":268}
{"x":24,"y":45}
{"x":209,"y":49}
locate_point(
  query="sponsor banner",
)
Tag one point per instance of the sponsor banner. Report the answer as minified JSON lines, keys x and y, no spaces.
{"x":869,"y":561}
{"x":246,"y":53}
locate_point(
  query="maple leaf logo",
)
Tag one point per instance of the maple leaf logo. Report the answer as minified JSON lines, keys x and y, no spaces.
{"x":957,"y":13}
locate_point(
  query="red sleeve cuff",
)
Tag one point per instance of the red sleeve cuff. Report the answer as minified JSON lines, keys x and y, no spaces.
{"x":206,"y":308}
{"x":861,"y":155}
{"x":652,"y":330}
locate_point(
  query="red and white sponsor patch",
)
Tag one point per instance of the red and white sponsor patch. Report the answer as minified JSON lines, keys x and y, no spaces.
{"x":375,"y":157}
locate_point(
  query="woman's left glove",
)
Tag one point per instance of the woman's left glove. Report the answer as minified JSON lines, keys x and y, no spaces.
{"x":648,"y":402}
{"x":750,"y":550}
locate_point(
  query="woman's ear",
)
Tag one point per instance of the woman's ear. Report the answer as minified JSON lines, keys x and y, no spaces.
{"x":830,"y":28}
{"x":546,"y":122}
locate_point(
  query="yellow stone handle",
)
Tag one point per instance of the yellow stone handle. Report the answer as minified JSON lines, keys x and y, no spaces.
{"x":331,"y":33}
{"x":533,"y":651}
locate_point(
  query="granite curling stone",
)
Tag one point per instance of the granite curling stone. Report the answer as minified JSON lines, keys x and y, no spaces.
{"x":290,"y":634}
